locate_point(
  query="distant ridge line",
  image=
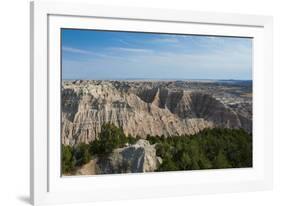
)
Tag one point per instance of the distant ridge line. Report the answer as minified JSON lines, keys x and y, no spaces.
{"x":150,"y":79}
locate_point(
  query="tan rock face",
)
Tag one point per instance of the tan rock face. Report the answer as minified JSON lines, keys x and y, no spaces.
{"x":140,"y":110}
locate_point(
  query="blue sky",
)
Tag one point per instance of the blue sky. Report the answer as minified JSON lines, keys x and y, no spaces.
{"x":90,"y":54}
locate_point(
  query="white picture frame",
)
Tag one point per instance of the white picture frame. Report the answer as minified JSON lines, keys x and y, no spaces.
{"x":47,"y":185}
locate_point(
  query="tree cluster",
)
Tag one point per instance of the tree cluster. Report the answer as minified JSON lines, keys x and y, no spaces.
{"x":74,"y":156}
{"x":209,"y":149}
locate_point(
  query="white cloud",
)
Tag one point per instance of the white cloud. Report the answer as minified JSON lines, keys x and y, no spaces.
{"x":124,"y":42}
{"x":166,"y":40}
{"x":75,"y":50}
{"x":83,"y":51}
{"x":134,"y":50}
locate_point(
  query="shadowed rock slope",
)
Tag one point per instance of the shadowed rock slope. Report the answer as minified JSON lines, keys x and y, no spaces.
{"x":141,"y":109}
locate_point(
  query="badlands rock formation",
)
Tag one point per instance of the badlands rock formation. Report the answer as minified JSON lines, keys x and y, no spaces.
{"x":142,"y":108}
{"x":140,"y":157}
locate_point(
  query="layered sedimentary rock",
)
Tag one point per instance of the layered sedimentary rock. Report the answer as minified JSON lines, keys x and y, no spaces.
{"x":142,"y":108}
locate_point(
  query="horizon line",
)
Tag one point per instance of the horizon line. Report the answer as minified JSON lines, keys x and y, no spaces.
{"x":164,"y":79}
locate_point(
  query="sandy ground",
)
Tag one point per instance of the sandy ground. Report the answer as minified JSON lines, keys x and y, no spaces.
{"x":87,"y":169}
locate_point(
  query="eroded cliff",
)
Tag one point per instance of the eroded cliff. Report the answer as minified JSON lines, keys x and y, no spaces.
{"x":142,"y":108}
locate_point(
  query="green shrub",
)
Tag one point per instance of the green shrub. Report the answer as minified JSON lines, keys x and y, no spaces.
{"x":82,"y":154}
{"x":110,"y":138}
{"x":67,"y":159}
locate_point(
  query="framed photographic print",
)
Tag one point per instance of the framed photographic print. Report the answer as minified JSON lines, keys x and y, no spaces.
{"x":136,"y":103}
